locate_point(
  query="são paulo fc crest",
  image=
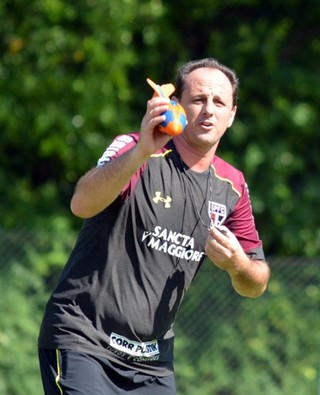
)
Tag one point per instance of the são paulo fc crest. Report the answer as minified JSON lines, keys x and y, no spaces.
{"x":217,"y":213}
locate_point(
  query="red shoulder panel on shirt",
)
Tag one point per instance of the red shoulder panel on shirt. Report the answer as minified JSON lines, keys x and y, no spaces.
{"x":229,"y":173}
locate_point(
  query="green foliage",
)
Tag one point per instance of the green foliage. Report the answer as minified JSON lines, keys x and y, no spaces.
{"x":62,"y":85}
{"x":72,"y":75}
{"x":20,"y":318}
{"x":230,"y":345}
{"x":30,"y":265}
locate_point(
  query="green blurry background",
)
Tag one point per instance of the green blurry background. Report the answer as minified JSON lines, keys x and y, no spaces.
{"x":72,"y":76}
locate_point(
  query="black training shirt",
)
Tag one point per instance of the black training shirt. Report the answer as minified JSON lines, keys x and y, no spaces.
{"x":121,"y":288}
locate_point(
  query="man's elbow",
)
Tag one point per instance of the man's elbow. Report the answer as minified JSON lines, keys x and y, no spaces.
{"x":251,"y":292}
{"x":256,"y":292}
{"x":252,"y":288}
{"x":78,"y":208}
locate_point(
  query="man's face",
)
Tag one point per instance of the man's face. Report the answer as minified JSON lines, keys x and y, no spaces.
{"x":208,"y":102}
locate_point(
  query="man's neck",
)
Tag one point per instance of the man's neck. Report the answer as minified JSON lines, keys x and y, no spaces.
{"x":196,"y":159}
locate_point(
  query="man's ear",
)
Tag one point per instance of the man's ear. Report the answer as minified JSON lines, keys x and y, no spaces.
{"x":232,"y":116}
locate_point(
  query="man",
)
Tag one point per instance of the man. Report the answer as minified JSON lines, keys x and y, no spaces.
{"x":154,"y":208}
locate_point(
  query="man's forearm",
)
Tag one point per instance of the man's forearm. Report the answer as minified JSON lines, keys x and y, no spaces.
{"x":98,"y":188}
{"x":252,"y":279}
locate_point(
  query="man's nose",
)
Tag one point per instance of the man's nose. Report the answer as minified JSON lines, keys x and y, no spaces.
{"x":209,"y":107}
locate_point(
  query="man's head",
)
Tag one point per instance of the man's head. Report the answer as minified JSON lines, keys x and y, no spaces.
{"x":208,"y":92}
{"x":212,"y":63}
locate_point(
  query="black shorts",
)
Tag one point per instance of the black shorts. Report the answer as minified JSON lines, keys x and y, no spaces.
{"x":65,"y":372}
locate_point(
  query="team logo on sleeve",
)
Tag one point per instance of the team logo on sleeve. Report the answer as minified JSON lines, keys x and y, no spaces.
{"x":217,"y":213}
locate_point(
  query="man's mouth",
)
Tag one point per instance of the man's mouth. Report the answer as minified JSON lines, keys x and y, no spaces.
{"x":206,"y":124}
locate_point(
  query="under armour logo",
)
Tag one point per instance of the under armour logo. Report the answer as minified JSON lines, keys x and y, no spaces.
{"x":158,"y":198}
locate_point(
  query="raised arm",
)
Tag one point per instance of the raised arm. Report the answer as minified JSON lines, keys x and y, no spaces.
{"x":249,"y":277}
{"x":99,"y":187}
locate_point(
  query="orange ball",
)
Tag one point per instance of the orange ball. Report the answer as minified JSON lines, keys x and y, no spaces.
{"x":176,"y":119}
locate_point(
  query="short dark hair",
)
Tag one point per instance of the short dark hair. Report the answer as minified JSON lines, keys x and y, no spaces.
{"x":210,"y":63}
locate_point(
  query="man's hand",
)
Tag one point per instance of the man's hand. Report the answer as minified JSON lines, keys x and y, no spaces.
{"x":249,"y":277}
{"x":150,"y":139}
